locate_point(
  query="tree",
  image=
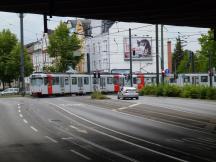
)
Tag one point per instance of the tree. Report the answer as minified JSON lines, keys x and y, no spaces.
{"x":7,"y":42}
{"x":62,"y":46}
{"x":10,"y":58}
{"x":208,"y":46}
{"x":185,"y":64}
{"x":178,"y":55}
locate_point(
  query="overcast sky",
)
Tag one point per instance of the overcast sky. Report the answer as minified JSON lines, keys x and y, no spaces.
{"x":33,"y":28}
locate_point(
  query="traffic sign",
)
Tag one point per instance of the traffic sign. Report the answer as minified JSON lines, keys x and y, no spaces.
{"x":167,"y":71}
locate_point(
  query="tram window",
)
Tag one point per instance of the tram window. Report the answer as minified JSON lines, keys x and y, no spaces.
{"x":214,"y":78}
{"x":172,"y":80}
{"x":116,"y":80}
{"x":46,"y":81}
{"x":36,"y":81}
{"x":204,"y":78}
{"x":134,"y":80}
{"x":109,"y":80}
{"x":55,"y":81}
{"x":95,"y":80}
{"x":186,"y":79}
{"x":66,"y":81}
{"x":138,"y":80}
{"x":74,"y":80}
{"x":86,"y":80}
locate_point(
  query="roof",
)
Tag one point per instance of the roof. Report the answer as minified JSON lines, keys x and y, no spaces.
{"x":197,"y":13}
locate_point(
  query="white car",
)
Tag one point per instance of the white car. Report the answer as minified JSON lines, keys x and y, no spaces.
{"x":128,"y":92}
{"x":10,"y":91}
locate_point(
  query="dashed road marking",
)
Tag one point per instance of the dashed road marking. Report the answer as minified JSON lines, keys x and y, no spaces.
{"x":123,"y":108}
{"x":25,"y":121}
{"x":78,"y":129}
{"x":21,"y":116}
{"x":34,"y":128}
{"x":81,"y":155}
{"x":51,"y":139}
{"x":67,"y":138}
{"x":19,"y":111}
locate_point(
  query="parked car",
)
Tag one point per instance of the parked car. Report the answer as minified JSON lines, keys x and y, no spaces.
{"x":10,"y":91}
{"x":128,"y":92}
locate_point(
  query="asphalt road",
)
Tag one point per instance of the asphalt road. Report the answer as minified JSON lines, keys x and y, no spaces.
{"x":79,"y":129}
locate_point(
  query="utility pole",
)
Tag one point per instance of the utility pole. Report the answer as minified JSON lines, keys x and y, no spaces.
{"x":131,"y":76}
{"x":162,"y":53}
{"x":22,"y":70}
{"x":157,"y":55}
{"x":210,"y":68}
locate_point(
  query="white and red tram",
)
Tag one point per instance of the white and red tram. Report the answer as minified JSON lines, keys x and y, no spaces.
{"x":59,"y":84}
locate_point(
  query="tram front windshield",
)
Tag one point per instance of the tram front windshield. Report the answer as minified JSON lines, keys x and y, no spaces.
{"x":36,"y":81}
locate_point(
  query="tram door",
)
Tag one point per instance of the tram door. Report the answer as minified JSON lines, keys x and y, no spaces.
{"x":102,"y":83}
{"x":62,"y":86}
{"x":80,"y":84}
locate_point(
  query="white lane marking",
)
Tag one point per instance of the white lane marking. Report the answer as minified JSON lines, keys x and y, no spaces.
{"x":78,"y":129}
{"x":136,"y":104}
{"x":21,"y":116}
{"x":51,"y":139}
{"x":18,"y":104}
{"x":67,"y":138}
{"x":34,"y":128}
{"x":81,"y":155}
{"x":145,"y":148}
{"x":123,"y":108}
{"x":25,"y":121}
{"x":19,"y":111}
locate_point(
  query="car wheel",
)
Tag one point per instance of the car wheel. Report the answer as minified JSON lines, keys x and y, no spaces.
{"x":137,"y":98}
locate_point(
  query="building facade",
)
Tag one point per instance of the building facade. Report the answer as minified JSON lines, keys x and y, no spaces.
{"x":109,"y":47}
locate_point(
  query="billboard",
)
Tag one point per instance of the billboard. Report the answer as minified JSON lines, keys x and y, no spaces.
{"x":141,"y":48}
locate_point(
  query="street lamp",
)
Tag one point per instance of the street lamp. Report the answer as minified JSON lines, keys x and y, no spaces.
{"x":22,"y":70}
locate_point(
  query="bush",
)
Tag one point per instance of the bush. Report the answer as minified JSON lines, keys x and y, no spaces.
{"x":187,"y":91}
{"x":148,"y":90}
{"x":211,"y":93}
{"x":98,"y":95}
{"x":172,"y":90}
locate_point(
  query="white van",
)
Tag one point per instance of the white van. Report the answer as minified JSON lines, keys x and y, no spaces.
{"x":10,"y":91}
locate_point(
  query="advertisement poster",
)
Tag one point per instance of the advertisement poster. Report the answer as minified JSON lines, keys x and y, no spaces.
{"x":141,"y":48}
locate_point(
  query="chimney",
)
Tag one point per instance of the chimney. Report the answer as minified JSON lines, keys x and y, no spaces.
{"x":169,"y":50}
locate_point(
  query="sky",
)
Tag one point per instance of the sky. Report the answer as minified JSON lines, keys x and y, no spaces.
{"x":33,"y":29}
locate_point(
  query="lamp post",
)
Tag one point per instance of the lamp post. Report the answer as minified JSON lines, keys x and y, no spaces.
{"x":22,"y":70}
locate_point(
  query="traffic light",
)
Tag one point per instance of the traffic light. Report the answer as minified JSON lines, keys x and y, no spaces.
{"x":94,"y":74}
{"x":98,"y":75}
{"x":134,"y":53}
{"x":163,"y":73}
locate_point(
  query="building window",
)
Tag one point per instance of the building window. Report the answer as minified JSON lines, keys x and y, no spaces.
{"x":93,"y":48}
{"x":99,"y":48}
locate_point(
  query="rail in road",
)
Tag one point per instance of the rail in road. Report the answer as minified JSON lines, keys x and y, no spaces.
{"x":168,"y":113}
{"x":62,"y":129}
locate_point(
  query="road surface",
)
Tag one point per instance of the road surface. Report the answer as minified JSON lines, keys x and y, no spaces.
{"x":61,"y":129}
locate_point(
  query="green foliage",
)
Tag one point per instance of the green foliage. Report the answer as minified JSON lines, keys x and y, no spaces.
{"x":178,"y":54}
{"x":171,"y":90}
{"x":211,"y":93}
{"x":98,"y":95}
{"x":62,"y":46}
{"x":187,"y":91}
{"x":10,"y":58}
{"x":208,"y":45}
